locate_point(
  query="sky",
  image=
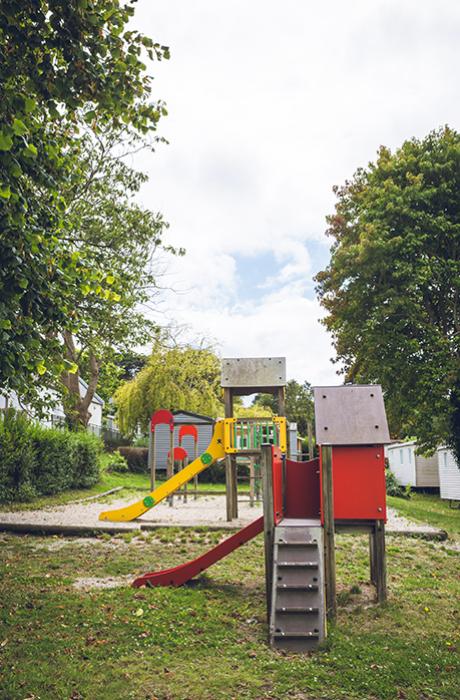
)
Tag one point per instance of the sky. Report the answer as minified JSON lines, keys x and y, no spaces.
{"x":270,"y":105}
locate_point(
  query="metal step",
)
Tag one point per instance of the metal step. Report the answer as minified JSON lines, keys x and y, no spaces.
{"x":297,"y":586}
{"x":308,"y":564}
{"x":297,"y":613}
{"x":297,"y":609}
{"x":297,"y":635}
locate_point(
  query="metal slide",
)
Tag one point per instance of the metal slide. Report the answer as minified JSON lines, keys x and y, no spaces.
{"x":184,"y":572}
{"x":214,"y":452}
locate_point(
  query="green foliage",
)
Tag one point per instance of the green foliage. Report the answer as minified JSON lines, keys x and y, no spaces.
{"x":393,"y":487}
{"x":117,"y":463}
{"x":136,"y":458}
{"x":66,"y":69}
{"x":86,"y":450}
{"x":53,"y":471}
{"x":174,"y":378}
{"x":299,"y":404}
{"x":392,"y":286}
{"x":36,"y":461}
{"x":17,"y":458}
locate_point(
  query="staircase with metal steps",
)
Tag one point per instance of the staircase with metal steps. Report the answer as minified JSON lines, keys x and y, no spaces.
{"x":298,"y":604}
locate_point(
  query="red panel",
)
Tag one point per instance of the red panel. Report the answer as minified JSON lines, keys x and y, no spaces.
{"x":160,"y":417}
{"x":179,"y":454}
{"x":302,"y":489}
{"x":184,"y":572}
{"x":359,"y":482}
{"x":277,"y":484}
{"x":188,"y":430}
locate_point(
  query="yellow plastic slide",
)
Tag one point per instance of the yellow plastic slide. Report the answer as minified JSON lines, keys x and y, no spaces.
{"x":214,"y":452}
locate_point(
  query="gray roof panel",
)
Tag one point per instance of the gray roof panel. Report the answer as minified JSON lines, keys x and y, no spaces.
{"x":350,"y":415}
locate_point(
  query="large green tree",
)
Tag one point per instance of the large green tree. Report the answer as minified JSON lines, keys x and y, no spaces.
{"x":179,"y":377}
{"x":392,"y":287}
{"x":120,"y":243}
{"x":63,"y":63}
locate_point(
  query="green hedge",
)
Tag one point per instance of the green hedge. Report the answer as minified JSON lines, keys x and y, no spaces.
{"x":137,"y":458}
{"x":38,"y":461}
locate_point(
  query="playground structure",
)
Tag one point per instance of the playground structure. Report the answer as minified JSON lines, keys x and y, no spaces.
{"x":304,"y":503}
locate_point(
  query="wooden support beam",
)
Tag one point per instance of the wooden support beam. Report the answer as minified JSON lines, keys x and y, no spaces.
{"x":266,"y":464}
{"x":230,"y":466}
{"x":170,"y":464}
{"x":329,"y":534}
{"x":251,"y":482}
{"x":152,"y":460}
{"x":280,"y":393}
{"x":380,"y":561}
{"x":311,"y":451}
{"x":372,"y":557}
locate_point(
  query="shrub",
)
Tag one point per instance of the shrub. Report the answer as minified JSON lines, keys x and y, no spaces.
{"x":215,"y":474}
{"x":117,"y":463}
{"x":36,"y":461}
{"x":86,"y":449}
{"x":137,"y":458}
{"x":394,"y":488}
{"x":17,"y":458}
{"x":141,"y":442}
{"x":53,"y":470}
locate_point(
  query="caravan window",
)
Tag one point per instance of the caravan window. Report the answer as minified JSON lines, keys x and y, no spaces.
{"x":401,"y":456}
{"x":408,"y":454}
{"x":445,"y":459}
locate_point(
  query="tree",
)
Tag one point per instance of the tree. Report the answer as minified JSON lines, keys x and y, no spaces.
{"x":174,"y":378}
{"x":62,"y":64}
{"x":120,"y":243}
{"x":392,"y":286}
{"x":299,"y":404}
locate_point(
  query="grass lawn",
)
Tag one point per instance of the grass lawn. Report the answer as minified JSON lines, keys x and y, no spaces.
{"x":427,"y":508}
{"x":207,"y":641}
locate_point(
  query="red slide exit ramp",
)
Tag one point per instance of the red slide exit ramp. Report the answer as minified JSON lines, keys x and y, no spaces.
{"x":179,"y":575}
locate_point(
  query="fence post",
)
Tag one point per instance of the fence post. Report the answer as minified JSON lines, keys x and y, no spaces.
{"x":269,"y":521}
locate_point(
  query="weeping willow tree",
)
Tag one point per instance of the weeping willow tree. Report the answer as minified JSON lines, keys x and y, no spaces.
{"x":178,"y":378}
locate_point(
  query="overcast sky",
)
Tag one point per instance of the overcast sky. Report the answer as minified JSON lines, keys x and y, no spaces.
{"x":271,"y":104}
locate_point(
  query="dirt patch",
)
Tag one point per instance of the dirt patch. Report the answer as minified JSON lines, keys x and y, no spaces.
{"x":91,"y":582}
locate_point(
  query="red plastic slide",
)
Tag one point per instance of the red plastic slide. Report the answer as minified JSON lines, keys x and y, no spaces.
{"x":184,"y":572}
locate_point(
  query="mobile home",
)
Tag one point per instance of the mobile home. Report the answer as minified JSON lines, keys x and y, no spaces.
{"x":411,"y":469}
{"x":449,"y":475}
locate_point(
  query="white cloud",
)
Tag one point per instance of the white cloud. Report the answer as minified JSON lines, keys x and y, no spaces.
{"x":270,"y":104}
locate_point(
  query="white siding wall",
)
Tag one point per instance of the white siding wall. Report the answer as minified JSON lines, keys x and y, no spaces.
{"x":449,"y":475}
{"x":56,"y":411}
{"x":402,"y":463}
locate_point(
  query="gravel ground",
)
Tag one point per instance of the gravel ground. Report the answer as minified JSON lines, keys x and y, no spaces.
{"x":204,"y":511}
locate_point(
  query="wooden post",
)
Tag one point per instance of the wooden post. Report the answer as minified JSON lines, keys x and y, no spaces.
{"x":329,"y":537}
{"x":372,"y":557}
{"x":170,"y":465}
{"x":380,"y":566}
{"x":182,"y":465}
{"x":311,"y":452}
{"x":230,"y":465}
{"x":152,"y":460}
{"x":195,"y":478}
{"x":269,"y":521}
{"x":281,"y":401}
{"x":251,"y":481}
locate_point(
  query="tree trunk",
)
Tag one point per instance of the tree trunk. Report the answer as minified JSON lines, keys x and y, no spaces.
{"x":76,"y":407}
